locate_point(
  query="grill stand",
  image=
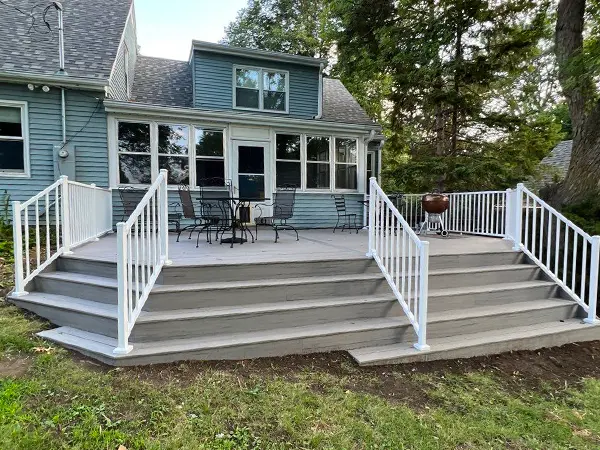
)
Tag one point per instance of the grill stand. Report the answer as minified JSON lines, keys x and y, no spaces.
{"x":433,"y":219}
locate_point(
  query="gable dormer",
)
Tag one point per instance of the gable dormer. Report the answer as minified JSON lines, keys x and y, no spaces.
{"x":247,"y":80}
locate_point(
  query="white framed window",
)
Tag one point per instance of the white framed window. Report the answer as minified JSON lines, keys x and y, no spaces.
{"x":189,"y":152}
{"x":346,"y":164}
{"x":318,"y":157}
{"x":256,"y":88}
{"x":288,"y":163}
{"x":14,"y":140}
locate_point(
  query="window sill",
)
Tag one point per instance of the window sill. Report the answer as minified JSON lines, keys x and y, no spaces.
{"x":14,"y":175}
{"x":270,"y":111}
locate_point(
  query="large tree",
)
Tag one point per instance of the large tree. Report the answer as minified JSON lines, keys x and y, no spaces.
{"x":578,"y":55}
{"x":452,"y":68}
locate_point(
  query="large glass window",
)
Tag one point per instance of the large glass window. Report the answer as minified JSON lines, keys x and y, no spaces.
{"x":12,"y":140}
{"x":287,"y":148}
{"x":135,"y":160}
{"x":260,"y":89}
{"x":173,"y":152}
{"x":345,"y":164}
{"x":210,"y":161}
{"x":317,"y":162}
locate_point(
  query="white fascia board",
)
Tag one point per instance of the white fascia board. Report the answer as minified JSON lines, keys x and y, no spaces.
{"x":227,"y":117}
{"x":54,"y":80}
{"x":258,"y":54}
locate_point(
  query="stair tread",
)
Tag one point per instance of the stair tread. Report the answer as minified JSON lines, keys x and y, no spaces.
{"x":265,"y":282}
{"x":69,"y":303}
{"x":489,"y":288}
{"x":257,"y":308}
{"x":105,"y":345}
{"x":80,"y":278}
{"x":444,"y":344}
{"x":481,"y":269}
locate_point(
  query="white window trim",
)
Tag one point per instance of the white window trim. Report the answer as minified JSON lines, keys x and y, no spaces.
{"x":261,"y":89}
{"x":154,"y":149}
{"x":24,"y":138}
{"x":158,"y":154}
{"x":296,"y":161}
{"x":206,"y":158}
{"x":335,"y":163}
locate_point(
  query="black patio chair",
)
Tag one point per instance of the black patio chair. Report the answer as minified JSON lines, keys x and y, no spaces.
{"x":215,"y":213}
{"x":283,"y":209}
{"x":189,"y":211}
{"x":131,"y":197}
{"x":343,"y":214}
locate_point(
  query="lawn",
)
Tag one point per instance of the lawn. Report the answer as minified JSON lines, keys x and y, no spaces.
{"x":51,"y":398}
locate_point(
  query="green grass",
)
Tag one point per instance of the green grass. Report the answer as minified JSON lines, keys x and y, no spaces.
{"x":62,"y":401}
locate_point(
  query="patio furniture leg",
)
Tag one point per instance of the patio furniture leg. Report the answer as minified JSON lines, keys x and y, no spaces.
{"x":336,"y":225}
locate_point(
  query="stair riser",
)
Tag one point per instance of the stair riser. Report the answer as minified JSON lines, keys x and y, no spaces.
{"x":463,"y":301}
{"x":459,"y":280}
{"x":500,"y":321}
{"x":341,"y":341}
{"x":439,"y":262}
{"x":160,"y":301}
{"x":585,"y":333}
{"x":84,"y":291}
{"x":88,"y":267}
{"x":175,"y":329}
{"x":271,"y":271}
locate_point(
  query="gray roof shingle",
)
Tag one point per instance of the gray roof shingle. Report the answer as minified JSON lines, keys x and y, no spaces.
{"x":164,"y":82}
{"x":92,"y":30}
{"x":167,"y":82}
{"x":557,"y":161}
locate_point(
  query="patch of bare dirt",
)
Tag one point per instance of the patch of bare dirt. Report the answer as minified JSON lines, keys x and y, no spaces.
{"x":14,"y":367}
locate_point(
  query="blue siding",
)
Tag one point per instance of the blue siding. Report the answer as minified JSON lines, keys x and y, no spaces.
{"x":213,"y":83}
{"x":318,"y":210}
{"x":45,"y":131}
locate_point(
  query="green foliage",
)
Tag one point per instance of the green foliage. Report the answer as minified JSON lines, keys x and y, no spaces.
{"x":586,"y":215}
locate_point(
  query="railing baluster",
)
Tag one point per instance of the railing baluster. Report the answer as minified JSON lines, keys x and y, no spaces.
{"x":533,"y":228}
{"x":565,"y":255}
{"x":26,"y":231}
{"x":582,"y":294}
{"x":557,"y":245}
{"x":37,"y":235}
{"x":574,"y":269}
{"x":541,"y":243}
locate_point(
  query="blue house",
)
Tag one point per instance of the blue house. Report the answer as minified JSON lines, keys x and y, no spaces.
{"x":114,"y":117}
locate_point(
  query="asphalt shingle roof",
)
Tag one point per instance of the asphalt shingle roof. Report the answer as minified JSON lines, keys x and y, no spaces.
{"x":164,"y":82}
{"x":168,"y":82}
{"x":92,"y":29}
{"x":558,"y":161}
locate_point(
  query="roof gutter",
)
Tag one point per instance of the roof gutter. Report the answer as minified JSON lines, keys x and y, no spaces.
{"x":116,"y":106}
{"x":54,"y":80}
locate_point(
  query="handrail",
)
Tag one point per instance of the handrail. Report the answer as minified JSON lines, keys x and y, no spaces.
{"x":543,"y":233}
{"x":402,"y":257}
{"x":142,"y":251}
{"x":71,"y":214}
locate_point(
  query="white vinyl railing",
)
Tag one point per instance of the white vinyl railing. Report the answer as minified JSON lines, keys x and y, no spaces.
{"x":64,"y":215}
{"x":546,"y":236}
{"x":402,"y":257}
{"x":142,"y":251}
{"x":481,"y":213}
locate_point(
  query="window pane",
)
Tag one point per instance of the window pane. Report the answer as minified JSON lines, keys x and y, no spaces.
{"x":134,"y":137}
{"x":345,"y":150}
{"x":210,"y":172}
{"x":252,"y":186}
{"x":288,"y":146}
{"x":251,"y":159}
{"x":11,"y":156}
{"x":173,"y":139}
{"x":288,"y":174}
{"x":177,"y":167}
{"x":274,"y":81}
{"x":246,"y":98}
{"x":345,"y":176}
{"x":317,"y":148}
{"x":247,"y":78}
{"x":317,"y":175}
{"x":135,"y":169}
{"x":10,"y":121}
{"x":274,"y":100}
{"x":209,"y":143}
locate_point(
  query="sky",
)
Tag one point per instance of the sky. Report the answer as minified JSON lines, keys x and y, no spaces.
{"x":166,"y":28}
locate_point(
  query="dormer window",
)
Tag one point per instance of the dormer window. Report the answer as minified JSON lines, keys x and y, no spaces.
{"x":261,"y":89}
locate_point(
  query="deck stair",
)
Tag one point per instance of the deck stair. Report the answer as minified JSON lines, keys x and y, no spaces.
{"x":479,"y":303}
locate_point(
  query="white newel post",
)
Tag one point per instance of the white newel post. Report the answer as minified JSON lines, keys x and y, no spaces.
{"x":508,"y":215}
{"x":97,"y":205}
{"x":594,"y":268}
{"x":18,"y":248}
{"x":122,"y":309}
{"x":163,"y":195}
{"x":423,"y":296}
{"x":372,"y":182}
{"x":66,"y":222}
{"x":517,"y":217}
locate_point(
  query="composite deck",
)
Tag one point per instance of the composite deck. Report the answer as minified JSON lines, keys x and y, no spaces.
{"x":317,"y":294}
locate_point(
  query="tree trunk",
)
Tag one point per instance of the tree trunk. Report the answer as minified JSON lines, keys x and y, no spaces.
{"x":582,"y":180}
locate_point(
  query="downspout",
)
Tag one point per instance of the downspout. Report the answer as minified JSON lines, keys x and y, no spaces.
{"x":320,"y":94}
